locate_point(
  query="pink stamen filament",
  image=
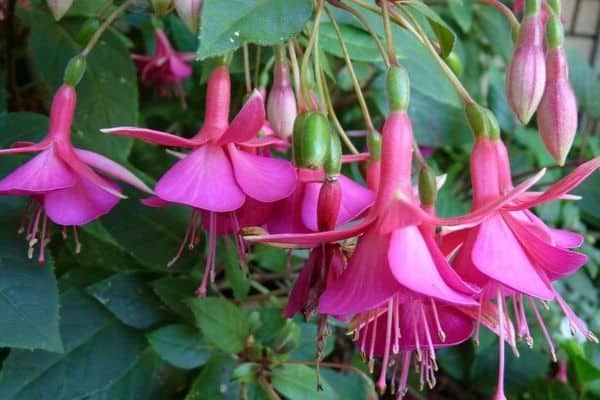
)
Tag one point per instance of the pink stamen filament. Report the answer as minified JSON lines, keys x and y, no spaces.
{"x":372,"y":346}
{"x":402,"y":384}
{"x":210,"y":258}
{"x":239,"y":242}
{"x":44,"y":240}
{"x":523,"y":318}
{"x":440,"y":331}
{"x":544,"y":329}
{"x":427,"y":333}
{"x":397,"y":333}
{"x":76,"y":239}
{"x":189,"y":230}
{"x":386,"y":353}
{"x":500,"y":390}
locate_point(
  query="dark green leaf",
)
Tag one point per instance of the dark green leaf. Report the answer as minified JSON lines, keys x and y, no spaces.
{"x":227,"y":25}
{"x":180,"y":345}
{"x":359,"y":43}
{"x":551,"y":390}
{"x":173,"y":292}
{"x":350,"y":385}
{"x":462,"y":13}
{"x":98,"y":350}
{"x":128,"y":297}
{"x":299,"y":382}
{"x":221,"y":322}
{"x":496,"y":30}
{"x":88,"y":8}
{"x":236,"y":275}
{"x":107,"y":94}
{"x":585,"y":83}
{"x":214,"y":382}
{"x":442,"y":31}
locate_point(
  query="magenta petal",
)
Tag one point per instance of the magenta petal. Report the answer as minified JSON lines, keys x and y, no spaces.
{"x":154,"y":201}
{"x":265,"y":141}
{"x":248,"y":122}
{"x":299,"y":294}
{"x":204,"y":179}
{"x":498,"y":254}
{"x":366,"y":282}
{"x":79,"y":204}
{"x":43,"y":173}
{"x":413,"y":266}
{"x":262,"y":178}
{"x":111,"y":168}
{"x":151,"y":136}
{"x":566,"y":239}
{"x":355,"y":200}
{"x":556,"y":261}
{"x":25,"y":147}
{"x":179,"y":69}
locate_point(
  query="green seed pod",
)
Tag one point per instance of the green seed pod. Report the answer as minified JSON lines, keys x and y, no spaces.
{"x":493,"y":127}
{"x":374,"y":143}
{"x":87,"y":30}
{"x":311,"y":140}
{"x":74,"y":71}
{"x":478,"y":120}
{"x":333,"y":163}
{"x":555,"y":33}
{"x":427,"y":186}
{"x":398,"y":88}
{"x":454,"y":63}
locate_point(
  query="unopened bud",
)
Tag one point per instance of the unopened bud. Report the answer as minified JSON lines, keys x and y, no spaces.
{"x":478,"y":120}
{"x":59,"y":7}
{"x":311,"y":140}
{"x":374,"y":143}
{"x":74,"y":71}
{"x":398,"y":88}
{"x":532,"y":7}
{"x":189,"y":12}
{"x":557,"y":113}
{"x":427,"y":186}
{"x":526,"y":74}
{"x":281,"y":105}
{"x":328,"y":205}
{"x":555,"y":34}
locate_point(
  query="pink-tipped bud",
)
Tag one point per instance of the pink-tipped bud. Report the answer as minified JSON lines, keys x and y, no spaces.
{"x":557,"y":113}
{"x":328,"y":205}
{"x":59,"y":7}
{"x":189,"y":12}
{"x":526,"y":74}
{"x":281,"y":106}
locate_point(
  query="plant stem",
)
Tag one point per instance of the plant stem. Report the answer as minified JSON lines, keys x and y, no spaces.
{"x":343,"y":367}
{"x":247,"y":78}
{"x":257,"y":66}
{"x":359,"y":94}
{"x":334,"y":118}
{"x":319,"y":77}
{"x":512,"y":20}
{"x":309,"y":47}
{"x":389,"y":38}
{"x":295,"y":70}
{"x":269,"y":391}
{"x":111,"y":18}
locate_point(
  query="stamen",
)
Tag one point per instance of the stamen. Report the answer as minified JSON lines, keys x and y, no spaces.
{"x":478,"y":325}
{"x":33,"y":240}
{"x":417,"y":341}
{"x":76,"y":239}
{"x":402,"y":384}
{"x":188,"y":230}
{"x":386,"y":353}
{"x":195,"y":220}
{"x":43,"y":241}
{"x":544,"y":330}
{"x":397,"y":333}
{"x":573,"y":319}
{"x":372,"y":346}
{"x":523,"y":317}
{"x":427,"y":332}
{"x":211,"y":256}
{"x":440,"y":331}
{"x":239,"y":242}
{"x":500,"y":390}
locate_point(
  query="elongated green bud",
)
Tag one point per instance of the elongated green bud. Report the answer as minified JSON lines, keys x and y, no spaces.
{"x":427,"y":186}
{"x":532,"y":7}
{"x":74,"y":71}
{"x":87,"y":30}
{"x":478,"y":120}
{"x":333,"y":164}
{"x":555,"y":5}
{"x":398,"y":88}
{"x":374,"y":143}
{"x":555,"y":33}
{"x":311,"y":140}
{"x":493,"y":127}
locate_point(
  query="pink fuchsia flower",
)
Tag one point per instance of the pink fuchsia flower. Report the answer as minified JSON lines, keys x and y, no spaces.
{"x":166,"y":68}
{"x":189,"y":12}
{"x":281,"y":104}
{"x":526,"y":74}
{"x":61,"y":180}
{"x":222,"y":173}
{"x":557,"y":113}
{"x":538,"y":255}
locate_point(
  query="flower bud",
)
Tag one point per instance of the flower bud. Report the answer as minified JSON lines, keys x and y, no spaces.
{"x":526,"y":74}
{"x":478,"y":119}
{"x":333,"y":163}
{"x":59,"y":7}
{"x":311,"y":140}
{"x":555,"y":34}
{"x":189,"y":12}
{"x":281,"y":105}
{"x":427,"y":186}
{"x":398,"y":88}
{"x":161,"y":7}
{"x":74,"y":71}
{"x":87,"y":30}
{"x":328,"y":205}
{"x":557,"y":113}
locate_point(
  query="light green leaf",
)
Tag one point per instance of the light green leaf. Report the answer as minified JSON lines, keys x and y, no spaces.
{"x":214,"y":382}
{"x":299,"y":382}
{"x":180,"y":345}
{"x":227,"y":25}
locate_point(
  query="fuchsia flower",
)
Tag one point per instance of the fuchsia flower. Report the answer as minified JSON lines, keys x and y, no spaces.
{"x":221,"y":174}
{"x":281,"y":105}
{"x":61,"y":180}
{"x":526,"y":74}
{"x":512,"y":253}
{"x":166,"y":68}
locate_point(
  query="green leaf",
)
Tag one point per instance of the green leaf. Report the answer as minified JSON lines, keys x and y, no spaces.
{"x":143,"y":381}
{"x":227,"y":25}
{"x":462,"y":13}
{"x":270,"y":258}
{"x":585,"y":371}
{"x":128,"y":297}
{"x":28,"y":297}
{"x":98,"y":350}
{"x":180,"y":345}
{"x":299,"y":382}
{"x":107,"y":94}
{"x":173,"y":292}
{"x":221,"y":322}
{"x":350,"y":385}
{"x":359,"y":43}
{"x":88,"y":8}
{"x":442,"y":31}
{"x":495,"y":29}
{"x":236,"y":275}
{"x":585,"y":83}
{"x":551,"y":390}
{"x":214,"y":382}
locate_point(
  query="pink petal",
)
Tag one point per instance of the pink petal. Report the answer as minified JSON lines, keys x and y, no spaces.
{"x":43,"y":173}
{"x":498,"y":254}
{"x":558,"y":262}
{"x":413,"y":266}
{"x":355,"y":200}
{"x":265,"y":141}
{"x":248,"y":122}
{"x":204,"y":179}
{"x":154,"y":201}
{"x":79,"y":204}
{"x":179,"y":69}
{"x":111,"y":168}
{"x":299,"y":294}
{"x":566,"y":239}
{"x":352,"y":158}
{"x":286,"y":216}
{"x":25,"y":147}
{"x":262,"y":178}
{"x":366,"y":282}
{"x":151,"y":136}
